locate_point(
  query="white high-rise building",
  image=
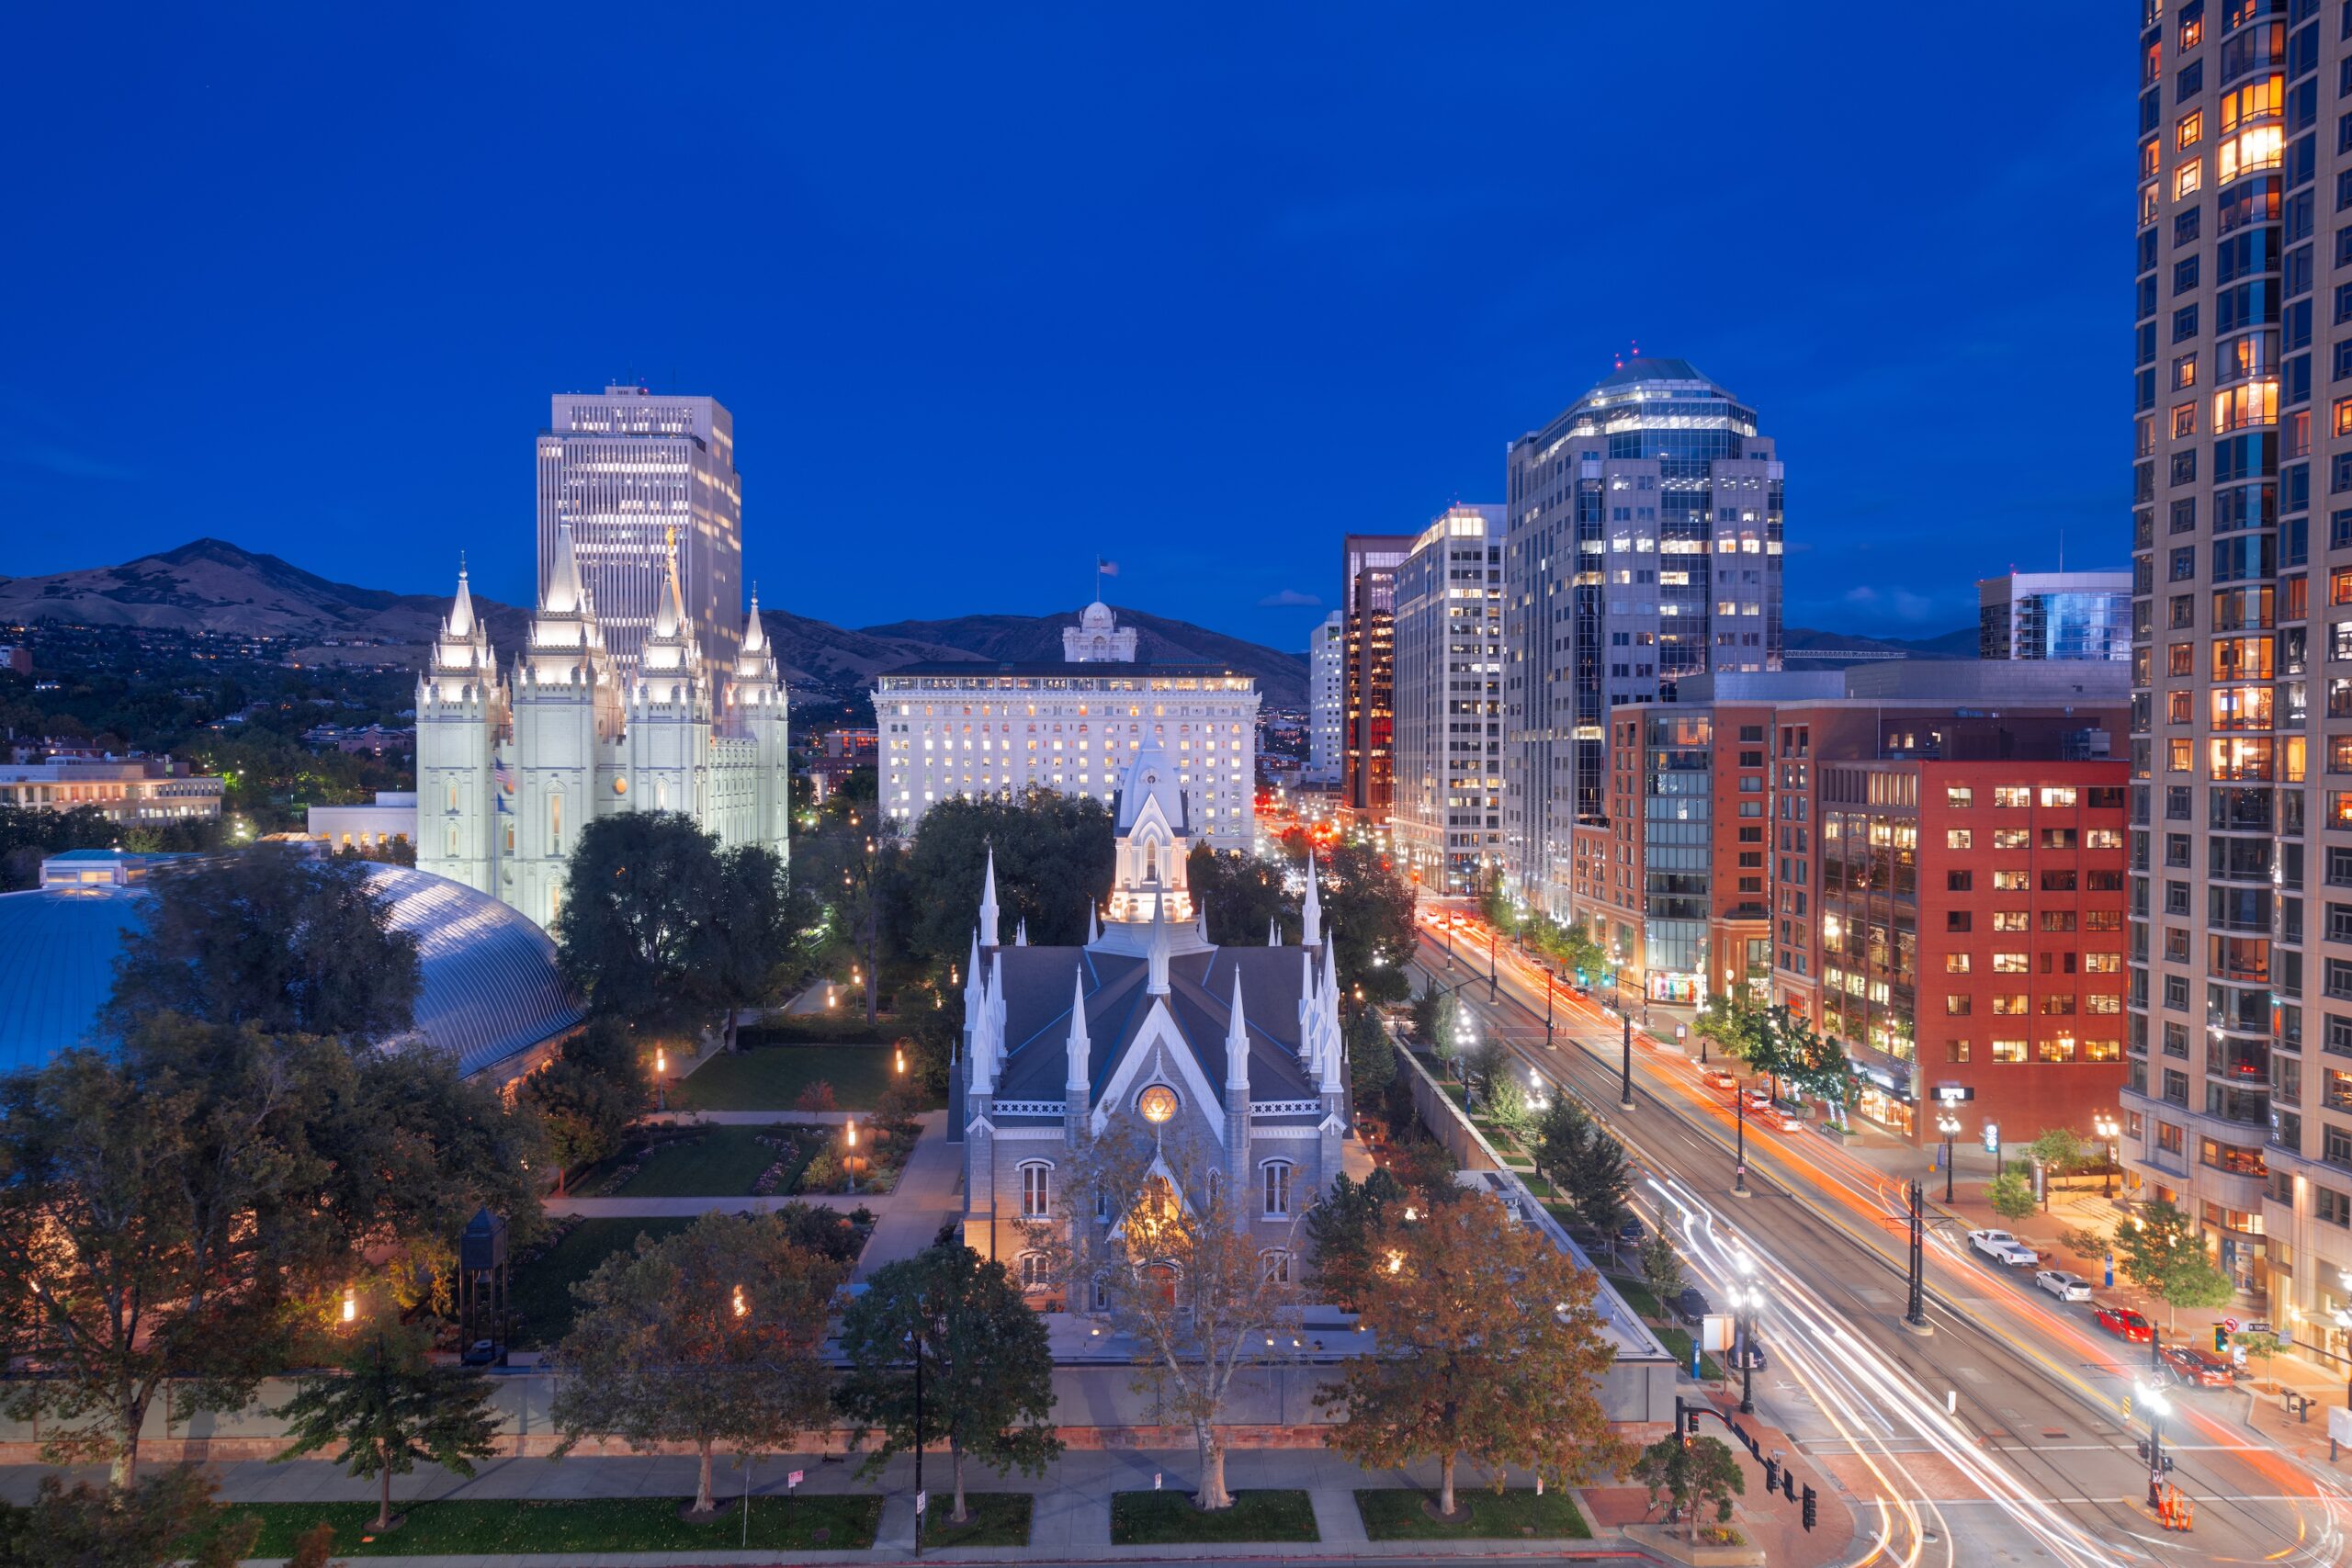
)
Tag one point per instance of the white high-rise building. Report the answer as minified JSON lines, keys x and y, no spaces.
{"x":971,"y":728}
{"x":1327,"y":705}
{"x":627,"y":472}
{"x":510,"y":770}
{"x":1444,"y":811}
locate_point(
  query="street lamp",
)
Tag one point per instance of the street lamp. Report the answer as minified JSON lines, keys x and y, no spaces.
{"x":1745,"y":1300}
{"x":1949,"y":1125}
{"x":1739,"y":1160}
{"x":2108,"y":1129}
{"x":2151,"y":1396}
{"x":660,"y":1079}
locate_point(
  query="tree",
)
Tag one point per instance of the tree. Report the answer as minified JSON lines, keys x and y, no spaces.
{"x":1484,"y":1063}
{"x":757,"y":954}
{"x":705,"y":1337}
{"x":147,"y":1526}
{"x":1244,"y":896}
{"x":1506,"y":1102}
{"x":1489,"y":1351}
{"x":1053,"y":864}
{"x":1372,"y":1055}
{"x":1368,"y":918}
{"x":853,"y":871}
{"x":2160,"y":1252}
{"x":1661,"y":1266}
{"x":389,"y":1408}
{"x":2057,"y":1150}
{"x":1691,"y":1477}
{"x":1339,"y":1234}
{"x":29,"y":833}
{"x":589,"y":1094}
{"x":1201,"y":1292}
{"x":1814,"y":1063}
{"x":636,"y":933}
{"x":179,"y":1210}
{"x":1734,"y":1022}
{"x":2011,"y":1195}
{"x":287,"y":942}
{"x":987,"y":1371}
{"x":1588,"y":1164}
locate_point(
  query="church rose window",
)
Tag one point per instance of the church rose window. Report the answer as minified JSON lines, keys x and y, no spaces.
{"x":1156,"y":1103}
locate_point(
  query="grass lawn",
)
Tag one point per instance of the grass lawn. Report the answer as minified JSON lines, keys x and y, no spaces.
{"x":465,"y":1526}
{"x":1679,"y":1341}
{"x":1395,"y":1513}
{"x":542,"y":1287}
{"x":720,"y":1163}
{"x":1151,"y":1518}
{"x":770,"y":1078}
{"x":999,"y":1518}
{"x":1637,"y":1295}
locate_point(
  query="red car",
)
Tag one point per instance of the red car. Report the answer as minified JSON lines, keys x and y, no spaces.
{"x":2124,"y":1321}
{"x":2201,"y":1367}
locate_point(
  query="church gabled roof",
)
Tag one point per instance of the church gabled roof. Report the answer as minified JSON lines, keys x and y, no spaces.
{"x":1038,"y":1004}
{"x":1152,"y":777}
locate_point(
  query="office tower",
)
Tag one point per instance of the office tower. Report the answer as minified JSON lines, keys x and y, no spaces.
{"x":2055,"y":614}
{"x":1644,"y":546}
{"x":2240,"y":981}
{"x":1327,"y":664}
{"x":1444,"y":818}
{"x":628,"y":469}
{"x":1368,"y":675}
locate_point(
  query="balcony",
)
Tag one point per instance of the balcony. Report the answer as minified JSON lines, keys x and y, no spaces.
{"x":2239,"y":1107}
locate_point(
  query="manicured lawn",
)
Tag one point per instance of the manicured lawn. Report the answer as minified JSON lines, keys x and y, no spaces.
{"x":770,"y":1078}
{"x":999,"y":1518}
{"x":1395,"y":1513}
{"x":1152,"y":1519}
{"x":1637,"y":1295}
{"x":1679,"y":1341}
{"x":476,"y":1526}
{"x":542,"y":1287}
{"x":720,"y":1163}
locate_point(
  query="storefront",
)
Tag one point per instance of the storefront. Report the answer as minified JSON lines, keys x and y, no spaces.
{"x":1675,"y":991}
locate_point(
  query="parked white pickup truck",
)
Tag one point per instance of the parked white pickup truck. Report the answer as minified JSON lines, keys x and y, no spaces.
{"x":2003,"y":1247}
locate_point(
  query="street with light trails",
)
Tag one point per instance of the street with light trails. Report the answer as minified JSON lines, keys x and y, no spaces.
{"x":1997,"y":1436}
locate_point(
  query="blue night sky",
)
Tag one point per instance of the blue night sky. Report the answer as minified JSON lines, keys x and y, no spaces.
{"x":989,"y":289}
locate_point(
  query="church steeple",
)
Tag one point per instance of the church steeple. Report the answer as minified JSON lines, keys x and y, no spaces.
{"x":1311,"y":912}
{"x":987,"y":903}
{"x":1237,"y":1044}
{"x":1156,"y":952}
{"x":1077,"y":1078}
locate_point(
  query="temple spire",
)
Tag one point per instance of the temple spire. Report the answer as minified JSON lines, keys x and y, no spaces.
{"x":987,"y":903}
{"x":562,"y":595}
{"x":462,"y":613}
{"x":1312,"y":910}
{"x":755,"y":637}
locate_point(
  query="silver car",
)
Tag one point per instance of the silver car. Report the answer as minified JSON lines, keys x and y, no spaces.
{"x":2065,"y":1286}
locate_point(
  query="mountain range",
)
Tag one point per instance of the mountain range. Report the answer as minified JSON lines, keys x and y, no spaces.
{"x":211,"y":585}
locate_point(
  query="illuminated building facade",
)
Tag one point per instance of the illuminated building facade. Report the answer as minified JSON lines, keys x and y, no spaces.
{"x":1642,"y":547}
{"x":1444,"y":815}
{"x":1368,"y":676}
{"x":2055,"y":614}
{"x":626,"y":472}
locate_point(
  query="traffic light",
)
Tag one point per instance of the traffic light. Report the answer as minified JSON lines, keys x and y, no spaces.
{"x":2220,"y":1340}
{"x":1690,"y":1426}
{"x":1772,"y":1476}
{"x":1812,"y":1513}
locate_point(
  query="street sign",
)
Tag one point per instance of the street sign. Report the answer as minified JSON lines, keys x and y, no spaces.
{"x":1716,"y":1332}
{"x":1155,"y":1479}
{"x":1991,"y":1138}
{"x":1682,"y":1032}
{"x":2231,"y":1323}
{"x":922,"y":1503}
{"x":793,"y":1480}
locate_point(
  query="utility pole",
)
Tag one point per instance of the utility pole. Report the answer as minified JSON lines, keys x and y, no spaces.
{"x":1626,"y":1078}
{"x":922,"y":1314}
{"x":1739,"y":1161}
{"x":1550,"y":979}
{"x":1493,"y":980}
{"x":1916,"y":1314}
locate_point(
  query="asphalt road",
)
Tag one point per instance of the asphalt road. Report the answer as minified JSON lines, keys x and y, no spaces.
{"x":1998,"y":1437}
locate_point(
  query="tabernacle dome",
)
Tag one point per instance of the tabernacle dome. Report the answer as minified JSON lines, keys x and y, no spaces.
{"x":491,"y":998}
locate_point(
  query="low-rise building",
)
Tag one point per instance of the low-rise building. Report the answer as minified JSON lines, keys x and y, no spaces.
{"x":150,"y":790}
{"x":392,"y":819}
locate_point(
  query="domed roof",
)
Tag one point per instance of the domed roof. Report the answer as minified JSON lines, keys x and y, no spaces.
{"x":1096,"y":616}
{"x":491,"y":990}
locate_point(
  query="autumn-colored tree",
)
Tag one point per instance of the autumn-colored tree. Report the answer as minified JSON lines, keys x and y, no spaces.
{"x":1201,"y":1289}
{"x":705,"y":1337}
{"x":1489,"y":1351}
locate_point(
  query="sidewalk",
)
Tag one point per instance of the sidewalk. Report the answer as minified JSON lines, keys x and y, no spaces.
{"x":1072,"y":1518}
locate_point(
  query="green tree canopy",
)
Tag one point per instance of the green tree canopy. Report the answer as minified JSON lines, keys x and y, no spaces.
{"x":706,"y":1338}
{"x":1339,"y":1234}
{"x":636,"y":931}
{"x":1698,"y":1477}
{"x":387,"y":1407}
{"x":1245,"y":896}
{"x":2011,"y":1195}
{"x":1054,"y":858}
{"x":2160,"y":1252}
{"x":148,"y":1526}
{"x":287,"y":942}
{"x":987,"y":1371}
{"x":586,"y":1098}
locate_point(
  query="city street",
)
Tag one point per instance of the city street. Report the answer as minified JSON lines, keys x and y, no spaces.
{"x":2003,"y":1426}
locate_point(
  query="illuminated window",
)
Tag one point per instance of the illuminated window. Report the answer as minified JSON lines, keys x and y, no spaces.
{"x":1957,"y":838}
{"x":1955,"y":964}
{"x":2190,"y":178}
{"x":2009,"y":964}
{"x":2189,"y":129}
{"x":1956,"y":1005}
{"x":2009,"y":1050}
{"x":1036,"y":1201}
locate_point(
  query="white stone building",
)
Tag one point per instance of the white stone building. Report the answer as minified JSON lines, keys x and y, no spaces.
{"x":509,"y":769}
{"x":973,"y":728}
{"x":1233,"y":1050}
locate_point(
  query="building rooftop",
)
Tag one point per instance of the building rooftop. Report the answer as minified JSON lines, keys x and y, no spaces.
{"x":491,"y":990}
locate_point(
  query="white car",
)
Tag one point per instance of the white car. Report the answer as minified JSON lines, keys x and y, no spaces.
{"x":2065,"y":1286}
{"x":2003,"y":1247}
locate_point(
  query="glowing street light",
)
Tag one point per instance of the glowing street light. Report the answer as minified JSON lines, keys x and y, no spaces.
{"x":350,"y":1304}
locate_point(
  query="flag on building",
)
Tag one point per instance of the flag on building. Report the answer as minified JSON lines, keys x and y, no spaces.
{"x":1105,"y":568}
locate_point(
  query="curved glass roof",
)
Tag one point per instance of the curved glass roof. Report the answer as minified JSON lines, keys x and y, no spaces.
{"x":491,"y":990}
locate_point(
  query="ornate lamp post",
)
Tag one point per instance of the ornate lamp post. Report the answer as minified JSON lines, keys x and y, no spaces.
{"x":2151,"y":1397}
{"x":2108,"y":1129}
{"x":1949,"y":1125}
{"x":1745,"y":1300}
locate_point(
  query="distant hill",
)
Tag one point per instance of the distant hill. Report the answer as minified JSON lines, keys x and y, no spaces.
{"x":214,"y":586}
{"x":1281,"y":677}
{"x":1957,"y":644}
{"x":211,"y":585}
